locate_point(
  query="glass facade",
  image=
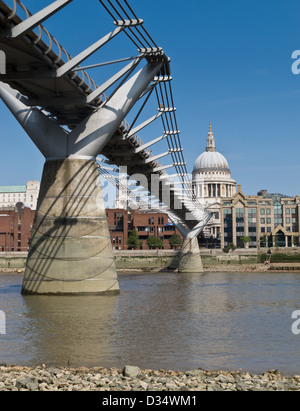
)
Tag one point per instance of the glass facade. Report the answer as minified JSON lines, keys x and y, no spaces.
{"x":227,"y":224}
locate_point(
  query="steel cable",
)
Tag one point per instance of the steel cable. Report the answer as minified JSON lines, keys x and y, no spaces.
{"x":164,"y":98}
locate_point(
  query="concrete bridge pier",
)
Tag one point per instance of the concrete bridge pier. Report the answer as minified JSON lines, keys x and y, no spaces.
{"x":190,"y":259}
{"x":70,"y":250}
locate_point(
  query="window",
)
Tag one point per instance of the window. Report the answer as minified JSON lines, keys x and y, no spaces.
{"x":268,"y":211}
{"x":287,"y":211}
{"x":227,"y":211}
{"x":262,"y":211}
{"x":268,"y":221}
{"x":287,"y":220}
{"x":252,"y":211}
{"x":262,"y":221}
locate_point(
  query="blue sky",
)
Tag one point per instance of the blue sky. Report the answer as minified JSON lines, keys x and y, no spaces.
{"x":231,"y":65}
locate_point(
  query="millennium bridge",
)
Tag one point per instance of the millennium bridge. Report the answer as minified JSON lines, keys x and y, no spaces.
{"x":81,"y":129}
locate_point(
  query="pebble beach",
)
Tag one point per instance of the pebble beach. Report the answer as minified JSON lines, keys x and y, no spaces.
{"x":131,"y":378}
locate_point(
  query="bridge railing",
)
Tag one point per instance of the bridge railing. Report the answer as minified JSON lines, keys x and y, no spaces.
{"x":47,"y":43}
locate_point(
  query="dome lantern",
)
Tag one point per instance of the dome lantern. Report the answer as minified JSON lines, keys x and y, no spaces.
{"x":211,"y":159}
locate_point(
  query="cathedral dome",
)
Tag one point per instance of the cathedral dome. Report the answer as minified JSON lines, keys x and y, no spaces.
{"x":211,"y":160}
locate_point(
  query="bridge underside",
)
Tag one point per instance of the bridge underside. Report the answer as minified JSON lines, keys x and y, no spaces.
{"x":70,"y":250}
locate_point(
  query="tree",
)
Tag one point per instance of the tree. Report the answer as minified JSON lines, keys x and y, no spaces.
{"x":133,"y":240}
{"x":229,"y":247}
{"x":246,"y":240}
{"x":175,"y":241}
{"x":296,"y":241}
{"x":155,"y":242}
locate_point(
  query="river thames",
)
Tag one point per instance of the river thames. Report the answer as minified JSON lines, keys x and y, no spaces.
{"x":214,"y":321}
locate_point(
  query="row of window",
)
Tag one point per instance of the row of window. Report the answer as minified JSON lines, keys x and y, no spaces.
{"x":117,"y":240}
{"x":161,"y":221}
{"x":151,"y":229}
{"x":263,"y":211}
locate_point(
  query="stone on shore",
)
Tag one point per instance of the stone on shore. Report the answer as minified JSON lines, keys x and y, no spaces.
{"x":131,"y":371}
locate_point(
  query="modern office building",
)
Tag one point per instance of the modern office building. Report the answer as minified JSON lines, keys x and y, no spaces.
{"x":267,"y":220}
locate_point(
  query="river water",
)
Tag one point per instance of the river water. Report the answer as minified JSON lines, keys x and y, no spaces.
{"x":227,"y":321}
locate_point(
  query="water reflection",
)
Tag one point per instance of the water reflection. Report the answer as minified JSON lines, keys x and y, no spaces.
{"x":69,"y":330}
{"x":170,"y":321}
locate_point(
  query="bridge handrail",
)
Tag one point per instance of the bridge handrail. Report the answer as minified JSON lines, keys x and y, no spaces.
{"x":48,"y":49}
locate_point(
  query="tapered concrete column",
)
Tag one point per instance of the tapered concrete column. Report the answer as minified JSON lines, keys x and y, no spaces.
{"x":70,"y":250}
{"x":190,"y":259}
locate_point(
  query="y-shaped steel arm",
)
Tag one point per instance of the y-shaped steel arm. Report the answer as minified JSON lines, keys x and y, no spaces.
{"x":89,"y":137}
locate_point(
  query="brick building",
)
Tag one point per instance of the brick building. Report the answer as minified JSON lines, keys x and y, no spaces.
{"x":121,"y":222}
{"x":15,"y":227}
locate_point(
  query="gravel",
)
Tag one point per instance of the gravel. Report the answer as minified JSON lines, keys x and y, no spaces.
{"x":131,"y":378}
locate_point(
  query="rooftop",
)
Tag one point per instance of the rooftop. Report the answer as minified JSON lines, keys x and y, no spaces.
{"x":12,"y":189}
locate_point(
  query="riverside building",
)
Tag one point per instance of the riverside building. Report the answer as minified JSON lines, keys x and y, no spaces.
{"x":27,"y":194}
{"x":266,"y":220}
{"x":15,"y":228}
{"x":146,"y":223}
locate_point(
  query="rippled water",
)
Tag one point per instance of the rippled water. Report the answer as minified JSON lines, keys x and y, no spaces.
{"x":167,"y":320}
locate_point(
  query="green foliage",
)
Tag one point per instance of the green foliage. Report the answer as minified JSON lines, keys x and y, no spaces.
{"x":245,"y":239}
{"x":155,"y":242}
{"x":229,"y":247}
{"x":133,"y":240}
{"x":175,"y":241}
{"x":280,"y":258}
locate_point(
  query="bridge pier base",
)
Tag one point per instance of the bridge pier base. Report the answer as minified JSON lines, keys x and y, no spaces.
{"x":190,"y":259}
{"x":70,"y":250}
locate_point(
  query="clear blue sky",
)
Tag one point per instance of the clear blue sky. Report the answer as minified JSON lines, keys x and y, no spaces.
{"x":231,"y":65}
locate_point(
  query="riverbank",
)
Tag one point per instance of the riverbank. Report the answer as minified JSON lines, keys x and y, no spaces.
{"x":210,"y":268}
{"x":43,"y":378}
{"x":213,"y":260}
